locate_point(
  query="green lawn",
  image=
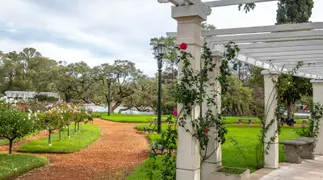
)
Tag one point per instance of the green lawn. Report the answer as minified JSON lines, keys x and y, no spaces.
{"x":83,"y":139}
{"x":125,"y":118}
{"x":17,"y":164}
{"x":246,"y":136}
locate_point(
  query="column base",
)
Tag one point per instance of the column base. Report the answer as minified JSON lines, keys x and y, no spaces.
{"x":185,"y":174}
{"x":208,"y":168}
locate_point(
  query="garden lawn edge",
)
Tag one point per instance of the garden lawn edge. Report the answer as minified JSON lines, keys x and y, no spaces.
{"x":83,"y":139}
{"x":37,"y":162}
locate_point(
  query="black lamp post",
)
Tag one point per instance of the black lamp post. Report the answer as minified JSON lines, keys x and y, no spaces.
{"x":159,"y":51}
{"x":109,"y":92}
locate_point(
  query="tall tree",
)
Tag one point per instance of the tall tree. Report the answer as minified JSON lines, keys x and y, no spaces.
{"x":293,"y":11}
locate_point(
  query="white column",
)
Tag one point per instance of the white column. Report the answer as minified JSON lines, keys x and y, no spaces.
{"x":214,"y":148}
{"x":272,"y":155}
{"x":189,"y":19}
{"x":318,"y":98}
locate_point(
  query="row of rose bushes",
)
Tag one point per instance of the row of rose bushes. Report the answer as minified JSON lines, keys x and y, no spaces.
{"x":15,"y":124}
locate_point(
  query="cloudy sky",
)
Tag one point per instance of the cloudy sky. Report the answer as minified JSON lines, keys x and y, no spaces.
{"x":101,"y":31}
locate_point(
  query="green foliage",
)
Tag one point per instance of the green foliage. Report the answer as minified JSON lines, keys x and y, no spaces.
{"x":125,"y":118}
{"x":294,"y":11}
{"x":236,"y":99}
{"x":14,"y":124}
{"x":89,"y":134}
{"x":14,"y":165}
{"x":42,"y":97}
{"x":247,"y":7}
{"x":245,"y":136}
{"x":313,"y":125}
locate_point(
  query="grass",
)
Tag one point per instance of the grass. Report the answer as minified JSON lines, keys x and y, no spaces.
{"x":14,"y":165}
{"x":125,"y":118}
{"x":228,"y":170}
{"x":6,"y":141}
{"x":245,"y":136}
{"x":83,"y":139}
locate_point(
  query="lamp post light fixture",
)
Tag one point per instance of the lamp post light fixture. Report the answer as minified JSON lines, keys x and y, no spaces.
{"x":159,"y":51}
{"x":109,"y":77}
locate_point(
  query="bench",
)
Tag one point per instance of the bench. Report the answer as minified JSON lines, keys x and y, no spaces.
{"x":152,"y":123}
{"x":298,"y":149}
{"x":250,"y":121}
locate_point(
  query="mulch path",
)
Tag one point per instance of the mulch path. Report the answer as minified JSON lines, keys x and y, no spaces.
{"x":119,"y":149}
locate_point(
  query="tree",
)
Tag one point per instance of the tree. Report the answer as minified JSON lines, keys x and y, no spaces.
{"x":15,"y":124}
{"x":291,"y":89}
{"x":237,"y":99}
{"x":294,"y":11}
{"x":51,"y":120}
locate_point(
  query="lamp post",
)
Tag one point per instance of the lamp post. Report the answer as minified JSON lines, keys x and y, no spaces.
{"x":159,"y":51}
{"x":109,"y":92}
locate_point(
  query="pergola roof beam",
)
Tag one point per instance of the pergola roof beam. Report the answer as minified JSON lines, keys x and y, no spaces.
{"x":263,"y":29}
{"x":259,"y":29}
{"x":268,"y":36}
{"x":282,"y":53}
{"x":282,"y":44}
{"x":281,"y":49}
{"x":233,"y":2}
{"x":294,"y":57}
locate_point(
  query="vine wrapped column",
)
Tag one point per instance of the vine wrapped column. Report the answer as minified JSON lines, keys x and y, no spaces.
{"x":189,"y":19}
{"x":271,"y":125}
{"x":318,"y":98}
{"x":214,"y":148}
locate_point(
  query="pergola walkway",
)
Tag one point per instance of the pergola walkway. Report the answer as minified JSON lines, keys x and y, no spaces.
{"x":308,"y":170}
{"x":277,"y":49}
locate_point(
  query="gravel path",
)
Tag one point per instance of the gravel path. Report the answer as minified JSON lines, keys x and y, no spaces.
{"x":119,"y":149}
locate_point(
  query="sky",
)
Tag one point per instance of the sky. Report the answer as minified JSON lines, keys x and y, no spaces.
{"x":101,"y":31}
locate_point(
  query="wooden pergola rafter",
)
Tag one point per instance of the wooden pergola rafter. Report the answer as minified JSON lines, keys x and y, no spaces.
{"x":277,"y":47}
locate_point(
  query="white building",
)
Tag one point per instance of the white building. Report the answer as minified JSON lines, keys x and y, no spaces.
{"x":28,"y":94}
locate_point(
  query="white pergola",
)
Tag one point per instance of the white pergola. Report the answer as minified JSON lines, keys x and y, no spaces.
{"x":278,"y":49}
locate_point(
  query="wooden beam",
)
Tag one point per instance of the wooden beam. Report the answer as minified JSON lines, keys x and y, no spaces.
{"x":267,"y":37}
{"x":294,"y":57}
{"x":261,"y":29}
{"x":281,"y":44}
{"x":283,"y":53}
{"x":280,"y":49}
{"x":233,"y":2}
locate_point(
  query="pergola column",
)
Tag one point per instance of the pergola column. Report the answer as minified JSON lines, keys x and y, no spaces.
{"x":189,"y":19}
{"x":272,"y":152}
{"x":318,"y":98}
{"x":214,"y":148}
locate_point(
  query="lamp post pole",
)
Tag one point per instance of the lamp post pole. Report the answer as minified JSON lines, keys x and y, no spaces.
{"x":159,"y":51}
{"x":159,"y":105}
{"x":109,"y":95}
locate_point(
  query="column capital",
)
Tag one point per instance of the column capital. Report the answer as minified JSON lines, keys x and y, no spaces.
{"x":197,"y":12}
{"x":268,"y":72}
{"x":317,"y":81}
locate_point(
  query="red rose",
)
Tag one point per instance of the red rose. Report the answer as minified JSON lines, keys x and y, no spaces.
{"x":175,"y":112}
{"x":183,"y":46}
{"x":206,"y":131}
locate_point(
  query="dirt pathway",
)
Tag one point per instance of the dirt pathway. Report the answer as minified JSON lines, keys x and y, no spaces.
{"x":119,"y":149}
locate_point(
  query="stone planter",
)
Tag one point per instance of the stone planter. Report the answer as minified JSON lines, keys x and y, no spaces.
{"x":227,"y":173}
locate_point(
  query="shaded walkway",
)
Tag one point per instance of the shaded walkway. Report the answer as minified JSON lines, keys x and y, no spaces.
{"x":308,"y":170}
{"x":119,"y":149}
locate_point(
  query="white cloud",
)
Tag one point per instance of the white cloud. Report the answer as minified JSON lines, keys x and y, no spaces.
{"x":122,"y":28}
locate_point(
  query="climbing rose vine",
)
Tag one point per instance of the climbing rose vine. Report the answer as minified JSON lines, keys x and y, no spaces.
{"x":190,"y":92}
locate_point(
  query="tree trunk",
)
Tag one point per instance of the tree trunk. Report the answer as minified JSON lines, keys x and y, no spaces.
{"x":10,"y":145}
{"x":117,"y":104}
{"x":60,"y":135}
{"x":289,"y":110}
{"x":124,"y":109}
{"x":49,"y":137}
{"x":68,"y":131}
{"x":75,"y":128}
{"x":78,"y":127}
